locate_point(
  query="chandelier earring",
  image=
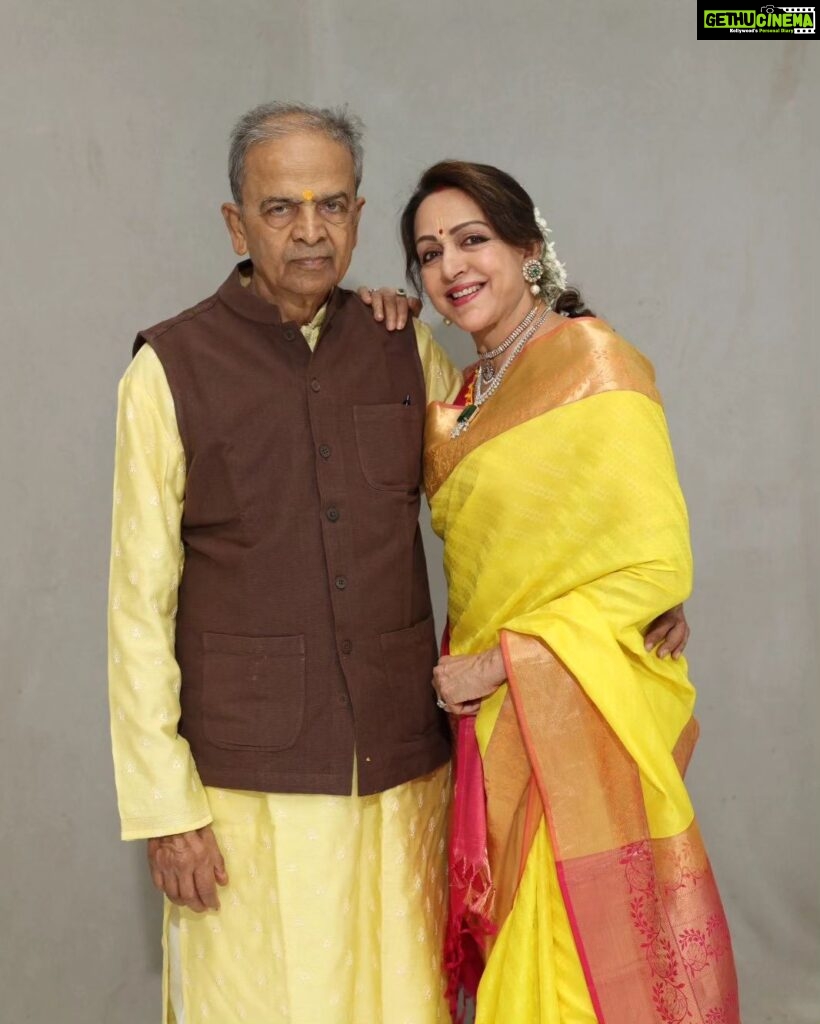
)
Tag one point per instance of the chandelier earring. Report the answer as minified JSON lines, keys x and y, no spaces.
{"x":533,"y":271}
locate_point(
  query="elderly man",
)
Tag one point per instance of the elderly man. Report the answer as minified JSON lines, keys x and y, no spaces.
{"x":275,"y":733}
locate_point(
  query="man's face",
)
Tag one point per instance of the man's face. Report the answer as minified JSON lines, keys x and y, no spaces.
{"x":298,"y":219}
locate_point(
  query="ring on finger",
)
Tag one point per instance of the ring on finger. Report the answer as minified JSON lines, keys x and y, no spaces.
{"x":402,"y":292}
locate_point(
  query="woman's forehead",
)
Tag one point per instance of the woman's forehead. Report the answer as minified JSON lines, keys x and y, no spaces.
{"x":444,"y":208}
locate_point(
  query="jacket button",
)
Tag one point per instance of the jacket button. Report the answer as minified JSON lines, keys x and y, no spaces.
{"x":347,"y":646}
{"x":290,"y":334}
{"x":315,"y":385}
{"x":341,"y":582}
{"x":333,"y":514}
{"x":324,"y":451}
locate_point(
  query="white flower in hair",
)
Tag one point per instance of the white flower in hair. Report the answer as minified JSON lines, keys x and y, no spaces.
{"x":555,"y":274}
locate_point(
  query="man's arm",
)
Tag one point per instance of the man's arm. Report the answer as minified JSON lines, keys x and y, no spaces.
{"x":442,"y":380}
{"x":159,"y":791}
{"x":669,"y":633}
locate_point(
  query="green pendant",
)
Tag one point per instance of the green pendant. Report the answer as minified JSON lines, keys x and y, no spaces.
{"x":467,"y":413}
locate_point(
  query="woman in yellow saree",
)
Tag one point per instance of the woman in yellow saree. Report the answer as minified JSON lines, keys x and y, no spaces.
{"x":580,"y":888}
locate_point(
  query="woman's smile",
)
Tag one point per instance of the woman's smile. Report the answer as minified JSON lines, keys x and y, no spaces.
{"x":463,"y":293}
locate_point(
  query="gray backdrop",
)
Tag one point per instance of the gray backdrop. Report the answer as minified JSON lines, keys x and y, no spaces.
{"x":677,"y":176}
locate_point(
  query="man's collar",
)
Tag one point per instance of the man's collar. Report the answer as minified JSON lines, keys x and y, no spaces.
{"x":248,"y":304}
{"x":318,"y":320}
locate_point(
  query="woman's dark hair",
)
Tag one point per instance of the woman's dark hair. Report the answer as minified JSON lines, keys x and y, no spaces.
{"x":505,"y":204}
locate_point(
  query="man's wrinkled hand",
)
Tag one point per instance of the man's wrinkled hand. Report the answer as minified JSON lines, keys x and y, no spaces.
{"x":670,"y":631}
{"x":188,"y":867}
{"x":390,"y":305}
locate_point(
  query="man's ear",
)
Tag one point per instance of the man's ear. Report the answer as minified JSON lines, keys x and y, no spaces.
{"x":357,"y":213}
{"x":236,"y":229}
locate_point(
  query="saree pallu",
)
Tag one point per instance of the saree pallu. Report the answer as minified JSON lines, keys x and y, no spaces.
{"x":565,"y":535}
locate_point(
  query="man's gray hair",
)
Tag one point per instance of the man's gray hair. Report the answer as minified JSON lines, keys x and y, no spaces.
{"x":276,"y":120}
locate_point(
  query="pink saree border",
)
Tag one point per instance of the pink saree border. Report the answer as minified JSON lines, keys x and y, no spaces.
{"x":646,"y":915}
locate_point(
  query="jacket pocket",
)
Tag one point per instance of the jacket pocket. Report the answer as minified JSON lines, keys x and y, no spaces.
{"x":409,"y":659}
{"x":389,"y":441}
{"x":254,"y":690}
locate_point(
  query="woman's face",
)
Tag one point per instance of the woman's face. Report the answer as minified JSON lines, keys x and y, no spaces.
{"x":471,"y":276}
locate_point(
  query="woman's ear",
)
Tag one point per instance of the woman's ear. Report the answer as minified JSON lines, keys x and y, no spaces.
{"x":535,"y":250}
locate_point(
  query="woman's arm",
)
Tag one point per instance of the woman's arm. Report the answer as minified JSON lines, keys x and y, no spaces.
{"x":462,"y":681}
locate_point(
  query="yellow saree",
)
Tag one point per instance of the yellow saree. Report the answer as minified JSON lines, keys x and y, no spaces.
{"x":565,"y":534}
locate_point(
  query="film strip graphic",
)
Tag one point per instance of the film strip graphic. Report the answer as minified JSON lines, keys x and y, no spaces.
{"x":767,"y":21}
{"x":801,"y":10}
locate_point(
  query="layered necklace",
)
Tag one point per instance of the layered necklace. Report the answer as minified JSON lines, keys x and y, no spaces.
{"x":487,"y":381}
{"x":486,"y":358}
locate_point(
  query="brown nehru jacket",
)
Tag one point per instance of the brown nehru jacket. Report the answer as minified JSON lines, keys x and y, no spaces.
{"x":304,"y":628}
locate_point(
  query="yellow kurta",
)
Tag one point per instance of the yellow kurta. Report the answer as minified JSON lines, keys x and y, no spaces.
{"x":334,"y":908}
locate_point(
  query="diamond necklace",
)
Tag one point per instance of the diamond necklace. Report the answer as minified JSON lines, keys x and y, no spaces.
{"x":479,"y":396}
{"x":485,"y":358}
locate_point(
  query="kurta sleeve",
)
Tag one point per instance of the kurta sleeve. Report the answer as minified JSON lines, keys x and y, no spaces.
{"x":158,"y":788}
{"x":442,"y":379}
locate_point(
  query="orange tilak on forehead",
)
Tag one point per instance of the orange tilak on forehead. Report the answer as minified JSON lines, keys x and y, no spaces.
{"x":307,"y":195}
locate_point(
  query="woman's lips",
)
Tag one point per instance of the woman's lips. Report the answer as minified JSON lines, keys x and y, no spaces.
{"x":464,"y":293}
